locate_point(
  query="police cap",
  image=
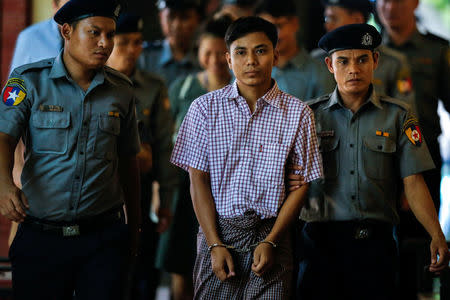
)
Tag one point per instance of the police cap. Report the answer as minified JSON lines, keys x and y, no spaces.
{"x":75,"y":10}
{"x":179,"y":4}
{"x":354,"y":36}
{"x":128,"y":22}
{"x":364,"y":6}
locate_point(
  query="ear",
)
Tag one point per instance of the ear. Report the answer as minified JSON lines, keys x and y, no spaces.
{"x":276,"y":56}
{"x":376,"y":56}
{"x":329,"y":63}
{"x":66,"y":31}
{"x":296,"y":23}
{"x":358,"y":18}
{"x":228,"y":57}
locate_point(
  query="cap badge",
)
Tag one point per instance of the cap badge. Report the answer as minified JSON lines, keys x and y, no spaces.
{"x":367,"y":40}
{"x":140,"y":24}
{"x":117,"y":11}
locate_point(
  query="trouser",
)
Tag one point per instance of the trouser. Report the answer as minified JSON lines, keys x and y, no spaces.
{"x":347,"y":260}
{"x":49,"y":266}
{"x":242,"y":232}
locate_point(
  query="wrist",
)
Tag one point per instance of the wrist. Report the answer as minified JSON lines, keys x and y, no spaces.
{"x":268,"y":242}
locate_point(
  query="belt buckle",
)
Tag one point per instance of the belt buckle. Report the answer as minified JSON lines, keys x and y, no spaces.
{"x":71,"y":230}
{"x":362,"y":233}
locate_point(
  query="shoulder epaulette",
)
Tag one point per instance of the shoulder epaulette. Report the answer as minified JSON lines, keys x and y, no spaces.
{"x":395,"y":101}
{"x":394,"y":53}
{"x":436,"y":38}
{"x":118,"y":74}
{"x":45,"y":63}
{"x":318,"y":100}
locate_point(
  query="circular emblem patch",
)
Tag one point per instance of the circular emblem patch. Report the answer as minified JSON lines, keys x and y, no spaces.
{"x":14,"y":92}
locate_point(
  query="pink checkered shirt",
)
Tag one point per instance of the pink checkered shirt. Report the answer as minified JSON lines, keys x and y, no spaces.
{"x":244,"y":153}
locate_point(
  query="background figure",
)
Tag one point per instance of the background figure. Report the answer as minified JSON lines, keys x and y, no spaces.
{"x":296,"y":73}
{"x":177,"y":250}
{"x":392,"y":77}
{"x":429,"y":58}
{"x":155,"y":129}
{"x":236,"y":8}
{"x":173,"y":56}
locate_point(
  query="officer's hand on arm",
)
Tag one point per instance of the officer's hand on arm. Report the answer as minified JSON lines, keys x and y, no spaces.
{"x":145,"y":158}
{"x":13,"y":202}
{"x":293,"y":181}
{"x":421,"y":204}
{"x":263,"y":258}
{"x":205,"y":210}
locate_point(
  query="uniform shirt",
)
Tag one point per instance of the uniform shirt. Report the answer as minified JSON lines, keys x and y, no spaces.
{"x":392,"y":77}
{"x":303,"y":77}
{"x":429,"y":57}
{"x":157,"y":58}
{"x":246,"y":153}
{"x":73,"y":138}
{"x":365,"y":156}
{"x":156,"y":126}
{"x":37,"y":42}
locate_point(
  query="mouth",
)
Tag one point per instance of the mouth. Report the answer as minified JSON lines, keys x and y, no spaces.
{"x":354,"y":80}
{"x":102,"y":55}
{"x":251,"y":73}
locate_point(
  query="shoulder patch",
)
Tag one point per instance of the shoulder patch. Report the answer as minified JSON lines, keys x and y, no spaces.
{"x":118,"y":74}
{"x":14,"y":92}
{"x":46,"y":63}
{"x":397,"y":102}
{"x":412,"y":130}
{"x":318,"y":100}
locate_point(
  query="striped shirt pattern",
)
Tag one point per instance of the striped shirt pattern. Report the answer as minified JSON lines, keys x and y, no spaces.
{"x":246,"y":153}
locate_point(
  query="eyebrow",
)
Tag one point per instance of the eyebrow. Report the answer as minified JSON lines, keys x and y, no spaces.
{"x":345,"y":57}
{"x":100,"y":29}
{"x":256,"y":47}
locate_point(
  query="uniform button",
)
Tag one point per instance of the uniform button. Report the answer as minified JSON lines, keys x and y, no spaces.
{"x":353,"y":197}
{"x":85,"y":123}
{"x":352,"y":172}
{"x":380,"y":147}
{"x":77,"y":177}
{"x":71,"y":207}
{"x":81,"y":152}
{"x":351,"y":145}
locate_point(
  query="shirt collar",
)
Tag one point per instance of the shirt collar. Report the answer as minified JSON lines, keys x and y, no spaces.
{"x":336,"y":99}
{"x":271,"y":96}
{"x":167,"y":57}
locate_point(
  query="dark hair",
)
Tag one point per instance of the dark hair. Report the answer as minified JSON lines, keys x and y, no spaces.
{"x":243,"y":26}
{"x":276,"y":8}
{"x":216,"y":27}
{"x":366,"y":14}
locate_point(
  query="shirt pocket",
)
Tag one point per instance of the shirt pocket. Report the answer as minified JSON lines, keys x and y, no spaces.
{"x":379,"y":157}
{"x":50,"y":132}
{"x":269,"y":162}
{"x":108,"y":131}
{"x":329,"y":148}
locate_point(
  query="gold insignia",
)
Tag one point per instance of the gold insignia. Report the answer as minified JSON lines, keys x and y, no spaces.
{"x":146,"y":112}
{"x":166,"y":104}
{"x":379,"y":132}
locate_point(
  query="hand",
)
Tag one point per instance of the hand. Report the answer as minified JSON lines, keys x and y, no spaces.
{"x":13,"y":202}
{"x":222,"y":263}
{"x":293,"y":181}
{"x":164,"y":219}
{"x":263,"y":258}
{"x":439,"y":246}
{"x":145,"y":158}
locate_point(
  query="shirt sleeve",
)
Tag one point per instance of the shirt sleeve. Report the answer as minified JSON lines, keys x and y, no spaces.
{"x":129,"y":142}
{"x":191,"y":146}
{"x":414,"y":156}
{"x":306,"y":151}
{"x":15,"y":107}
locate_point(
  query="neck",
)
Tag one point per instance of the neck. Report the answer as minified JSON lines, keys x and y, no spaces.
{"x":401,"y":34}
{"x":178,"y":51}
{"x":213,"y":81}
{"x":354,"y":101}
{"x":80,"y":74}
{"x":252,"y":93}
{"x":287,"y":55}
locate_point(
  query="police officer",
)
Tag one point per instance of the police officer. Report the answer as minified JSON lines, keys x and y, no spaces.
{"x":155,"y":128}
{"x":236,"y":8}
{"x":369,"y":144}
{"x":393,"y":75}
{"x":297,"y":73}
{"x":77,"y":120}
{"x":173,"y":56}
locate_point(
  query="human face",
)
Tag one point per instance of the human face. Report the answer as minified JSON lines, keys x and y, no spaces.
{"x":179,"y":26}
{"x":336,"y":16}
{"x":91,"y":41}
{"x":288,"y":27}
{"x":396,"y":13}
{"x":127,"y":48}
{"x":353,"y":70}
{"x":251,"y":58}
{"x":211,"y":55}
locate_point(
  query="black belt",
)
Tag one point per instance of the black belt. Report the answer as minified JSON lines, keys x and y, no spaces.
{"x":75,"y":228}
{"x":353,"y":230}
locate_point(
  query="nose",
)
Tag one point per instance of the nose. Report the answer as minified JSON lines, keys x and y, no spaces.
{"x":251,"y":58}
{"x":353,"y":68}
{"x":105,"y":41}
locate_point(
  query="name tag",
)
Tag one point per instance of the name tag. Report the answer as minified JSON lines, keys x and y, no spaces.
{"x":52,"y":108}
{"x":327,"y":133}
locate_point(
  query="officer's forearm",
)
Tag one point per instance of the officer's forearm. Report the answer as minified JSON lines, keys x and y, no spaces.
{"x":419,"y":199}
{"x":129,"y":179}
{"x":7,"y":146}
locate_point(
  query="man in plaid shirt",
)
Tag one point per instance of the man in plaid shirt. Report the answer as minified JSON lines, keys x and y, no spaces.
{"x":236,"y":142}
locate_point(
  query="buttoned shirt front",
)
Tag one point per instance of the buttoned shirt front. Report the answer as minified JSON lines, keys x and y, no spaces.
{"x":73,"y":139}
{"x":246,"y":153}
{"x":365,"y":154}
{"x":37,"y":42}
{"x":157,"y":58}
{"x":304,"y":77}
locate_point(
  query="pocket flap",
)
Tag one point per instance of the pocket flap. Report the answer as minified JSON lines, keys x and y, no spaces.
{"x":380,"y":144}
{"x":109,"y":124}
{"x":328,"y":144}
{"x":51,"y":119}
